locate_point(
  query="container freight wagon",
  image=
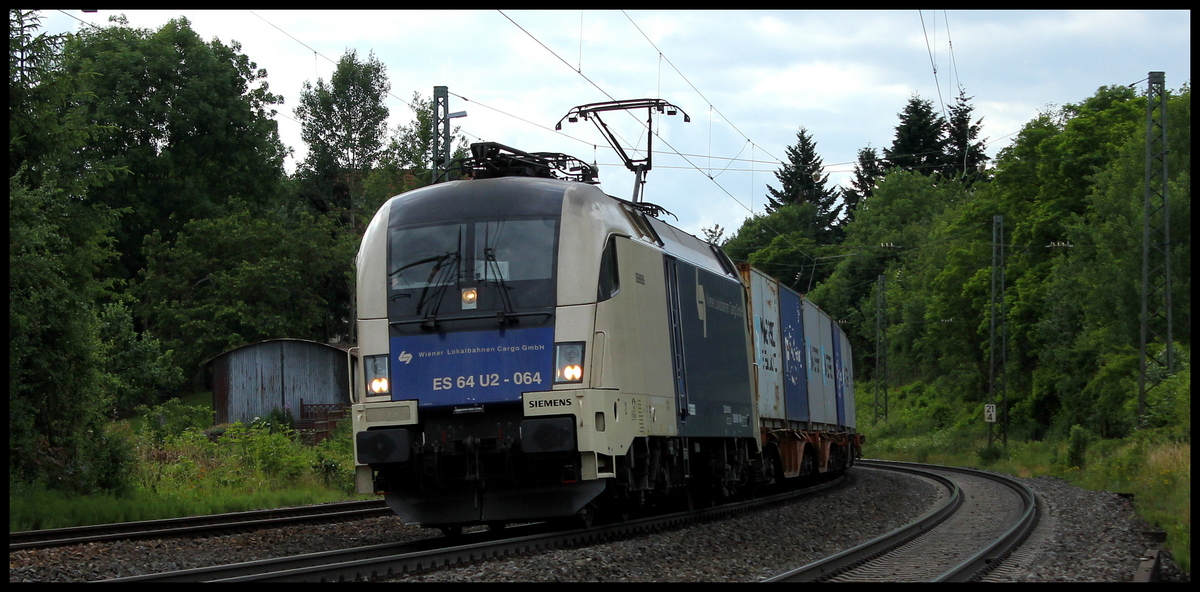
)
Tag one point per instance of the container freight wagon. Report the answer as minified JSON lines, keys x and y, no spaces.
{"x":803,"y":379}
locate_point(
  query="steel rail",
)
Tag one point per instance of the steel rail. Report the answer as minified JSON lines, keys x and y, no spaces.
{"x":254,"y":519}
{"x":835,"y":564}
{"x":977,"y":566}
{"x":971,"y":569}
{"x":366,"y":563}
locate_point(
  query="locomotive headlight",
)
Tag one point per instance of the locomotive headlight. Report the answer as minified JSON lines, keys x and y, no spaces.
{"x":568,"y":362}
{"x":376,"y":369}
{"x":470,"y":297}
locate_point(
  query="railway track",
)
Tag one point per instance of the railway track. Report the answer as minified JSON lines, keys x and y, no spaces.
{"x":380,"y":561}
{"x":197,"y":525}
{"x":985,"y":517}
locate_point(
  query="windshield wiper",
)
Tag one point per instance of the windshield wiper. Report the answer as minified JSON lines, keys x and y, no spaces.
{"x":437,"y":260}
{"x":491,"y":265}
{"x":447,"y":272}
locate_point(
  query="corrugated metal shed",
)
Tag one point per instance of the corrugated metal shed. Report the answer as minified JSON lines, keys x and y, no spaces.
{"x":251,"y":380}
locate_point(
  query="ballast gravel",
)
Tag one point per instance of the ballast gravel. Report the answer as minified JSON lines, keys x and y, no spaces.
{"x":1084,"y":536}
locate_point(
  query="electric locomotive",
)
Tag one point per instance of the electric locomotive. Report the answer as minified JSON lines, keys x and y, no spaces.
{"x":533,"y":348}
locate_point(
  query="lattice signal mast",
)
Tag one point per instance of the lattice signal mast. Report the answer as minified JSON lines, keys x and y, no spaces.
{"x":1156,"y":247}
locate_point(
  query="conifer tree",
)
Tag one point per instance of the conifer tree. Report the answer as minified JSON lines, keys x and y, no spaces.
{"x":802,"y":180}
{"x":867,"y":172}
{"x":963,"y":153}
{"x":919,"y":144}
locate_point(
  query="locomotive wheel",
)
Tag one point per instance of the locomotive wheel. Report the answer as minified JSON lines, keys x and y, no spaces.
{"x":684,"y":498}
{"x":586,"y":516}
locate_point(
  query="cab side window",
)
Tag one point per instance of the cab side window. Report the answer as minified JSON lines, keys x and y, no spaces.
{"x":610,"y":283}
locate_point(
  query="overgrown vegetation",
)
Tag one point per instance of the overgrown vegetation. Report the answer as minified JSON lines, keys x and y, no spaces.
{"x":179,"y":468}
{"x":1153,"y":463}
{"x":921,"y":225}
{"x":145,"y":241}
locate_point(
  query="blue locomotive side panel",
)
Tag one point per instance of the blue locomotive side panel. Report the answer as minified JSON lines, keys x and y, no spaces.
{"x":716,"y":367}
{"x":795,"y":379}
{"x":471,"y":367}
{"x":838,"y":381}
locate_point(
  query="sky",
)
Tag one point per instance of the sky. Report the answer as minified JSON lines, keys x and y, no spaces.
{"x":749,"y":80}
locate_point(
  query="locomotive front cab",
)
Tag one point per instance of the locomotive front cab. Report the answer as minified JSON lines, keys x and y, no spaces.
{"x":458,"y":316}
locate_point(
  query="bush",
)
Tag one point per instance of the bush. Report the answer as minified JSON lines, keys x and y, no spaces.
{"x":1077,"y":444}
{"x":335,"y":458}
{"x":277,"y":421}
{"x":990,"y":453}
{"x":115,"y":461}
{"x":172,"y":418}
{"x":1169,"y":404}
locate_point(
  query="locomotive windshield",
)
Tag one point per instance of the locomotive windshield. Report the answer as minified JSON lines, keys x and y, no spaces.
{"x":471,"y":268}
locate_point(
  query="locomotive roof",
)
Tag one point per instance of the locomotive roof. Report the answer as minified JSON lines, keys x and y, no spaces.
{"x":539,"y":196}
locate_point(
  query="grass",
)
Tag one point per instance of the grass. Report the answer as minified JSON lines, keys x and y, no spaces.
{"x":33,"y":508}
{"x":180,"y":471}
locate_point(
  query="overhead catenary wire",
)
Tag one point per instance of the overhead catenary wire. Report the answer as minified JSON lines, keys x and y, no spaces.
{"x":936,"y":83}
{"x":950,"y":48}
{"x":685,"y":156}
{"x":754,"y":146}
{"x":689,"y":82}
{"x":667,"y":143}
{"x":662,"y":56}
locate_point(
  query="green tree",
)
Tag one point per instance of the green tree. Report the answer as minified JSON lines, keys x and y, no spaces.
{"x":919,"y":144}
{"x":888,"y":237}
{"x":344,"y":124}
{"x":802,"y":180}
{"x":57,"y":245}
{"x":1054,"y":348}
{"x":404,"y":163}
{"x":138,"y":370}
{"x":1072,"y":313}
{"x":783,"y":244}
{"x":189,"y":120}
{"x":867,"y":173}
{"x":229,"y":281}
{"x":714,"y":234}
{"x":964,"y":153}
{"x":55,"y":395}
{"x":1090,"y":292}
{"x":38,"y":133}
